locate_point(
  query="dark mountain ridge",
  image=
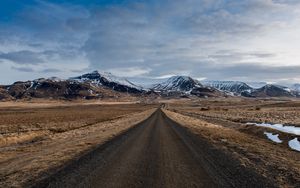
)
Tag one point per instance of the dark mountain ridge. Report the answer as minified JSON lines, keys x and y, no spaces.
{"x":96,"y":85}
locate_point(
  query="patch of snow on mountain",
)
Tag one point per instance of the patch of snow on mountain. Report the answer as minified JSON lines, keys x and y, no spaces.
{"x":230,"y":86}
{"x":31,"y":85}
{"x":90,"y":91}
{"x":146,"y":83}
{"x":56,"y":79}
{"x":122,"y":81}
{"x":96,"y":78}
{"x":296,"y":87}
{"x":282,"y":87}
{"x":256,"y":85}
{"x":178,"y":83}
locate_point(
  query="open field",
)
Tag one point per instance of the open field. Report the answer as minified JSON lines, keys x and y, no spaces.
{"x":223,"y":123}
{"x":59,"y":118}
{"x":35,"y":141}
{"x":244,"y":110}
{"x":174,"y":143}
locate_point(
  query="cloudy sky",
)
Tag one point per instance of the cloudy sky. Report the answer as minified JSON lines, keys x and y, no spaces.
{"x":247,"y":40}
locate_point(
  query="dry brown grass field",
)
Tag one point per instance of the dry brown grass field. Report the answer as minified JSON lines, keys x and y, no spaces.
{"x":41,"y":138}
{"x":244,"y":110}
{"x":222,"y":123}
{"x":38,"y":137}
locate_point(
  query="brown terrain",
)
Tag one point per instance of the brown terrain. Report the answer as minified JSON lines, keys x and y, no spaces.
{"x":36,"y":141}
{"x":171,"y":143}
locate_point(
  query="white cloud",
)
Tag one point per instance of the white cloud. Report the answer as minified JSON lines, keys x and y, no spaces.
{"x":129,"y":71}
{"x":165,"y":76}
{"x":247,"y":39}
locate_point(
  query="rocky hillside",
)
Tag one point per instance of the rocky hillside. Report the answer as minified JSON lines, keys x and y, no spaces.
{"x":185,"y":86}
{"x":178,"y":83}
{"x":4,"y":95}
{"x":88,"y":86}
{"x":108,"y":80}
{"x":296,"y":87}
{"x":235,"y":87}
{"x":242,"y":89}
{"x":64,"y":89}
{"x":96,"y":85}
{"x":271,"y":90}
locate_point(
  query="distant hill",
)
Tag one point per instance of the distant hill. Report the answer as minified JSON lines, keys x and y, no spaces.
{"x":296,"y":87}
{"x":178,"y":83}
{"x":102,"y":85}
{"x":88,"y":86}
{"x":271,"y":90}
{"x":234,"y":87}
{"x":108,"y":80}
{"x":185,"y":86}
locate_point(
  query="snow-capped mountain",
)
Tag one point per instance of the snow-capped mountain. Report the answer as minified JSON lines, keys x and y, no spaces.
{"x":49,"y":88}
{"x":108,"y":80}
{"x":96,"y":85}
{"x":87,"y":86}
{"x":56,"y":79}
{"x":185,"y":86}
{"x":296,"y":87}
{"x":235,"y":87}
{"x":243,"y":89}
{"x":178,"y":83}
{"x":272,"y":90}
{"x":146,"y":83}
{"x":256,"y":85}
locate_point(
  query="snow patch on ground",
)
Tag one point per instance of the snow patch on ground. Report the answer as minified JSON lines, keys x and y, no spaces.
{"x":294,"y":144}
{"x":273,"y":137}
{"x":279,"y":127}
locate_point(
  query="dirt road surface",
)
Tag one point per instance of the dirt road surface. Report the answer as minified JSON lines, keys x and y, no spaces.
{"x":156,"y":153}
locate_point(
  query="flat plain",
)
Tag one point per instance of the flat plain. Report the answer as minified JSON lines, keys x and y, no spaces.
{"x":202,"y":143}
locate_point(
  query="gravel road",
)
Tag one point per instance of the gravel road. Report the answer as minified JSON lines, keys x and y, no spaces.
{"x":155,"y":153}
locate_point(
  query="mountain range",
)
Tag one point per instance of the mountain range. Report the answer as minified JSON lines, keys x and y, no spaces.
{"x":96,"y":85}
{"x":232,"y":87}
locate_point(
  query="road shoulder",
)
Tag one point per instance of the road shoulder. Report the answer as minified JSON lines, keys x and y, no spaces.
{"x":256,"y":156}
